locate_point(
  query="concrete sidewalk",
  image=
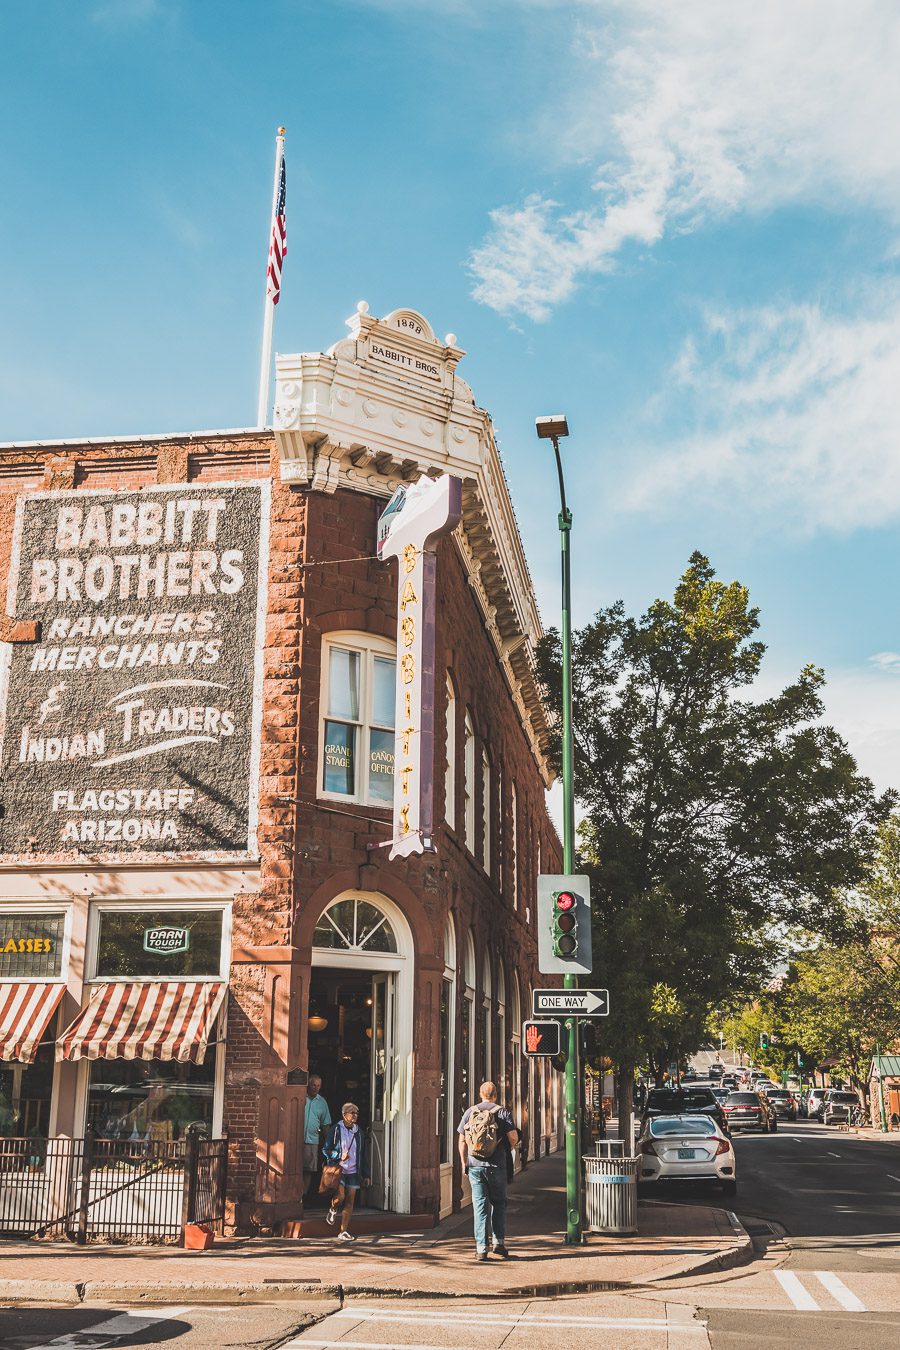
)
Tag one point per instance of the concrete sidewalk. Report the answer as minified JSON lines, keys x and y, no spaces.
{"x":674,"y":1240}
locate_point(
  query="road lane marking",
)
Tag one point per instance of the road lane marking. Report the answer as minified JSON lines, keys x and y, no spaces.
{"x":892,"y":1177}
{"x":833,"y":1155}
{"x":838,"y":1290}
{"x":801,"y":1298}
{"x":124,"y":1324}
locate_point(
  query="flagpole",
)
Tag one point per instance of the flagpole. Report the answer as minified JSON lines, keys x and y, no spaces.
{"x":269,"y":309}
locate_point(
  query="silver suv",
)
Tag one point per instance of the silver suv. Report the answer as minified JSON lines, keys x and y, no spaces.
{"x":837,"y":1107}
{"x":812,"y":1103}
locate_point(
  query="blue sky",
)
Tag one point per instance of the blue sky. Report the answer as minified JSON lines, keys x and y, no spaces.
{"x":676,"y":223}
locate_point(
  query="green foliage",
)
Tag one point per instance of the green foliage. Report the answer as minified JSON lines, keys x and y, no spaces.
{"x":709,"y":817}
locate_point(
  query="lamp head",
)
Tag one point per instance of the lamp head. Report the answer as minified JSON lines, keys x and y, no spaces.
{"x":551,"y":428}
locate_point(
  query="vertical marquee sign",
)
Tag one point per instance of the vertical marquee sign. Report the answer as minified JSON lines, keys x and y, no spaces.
{"x":132,"y":724}
{"x":414,"y":519}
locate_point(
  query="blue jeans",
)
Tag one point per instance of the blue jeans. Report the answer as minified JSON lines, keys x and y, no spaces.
{"x":488,"y":1182}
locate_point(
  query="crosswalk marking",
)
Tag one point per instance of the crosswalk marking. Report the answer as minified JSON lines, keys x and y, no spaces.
{"x":304,"y":1342}
{"x":801,"y":1298}
{"x":838,"y":1290}
{"x":101,"y":1333}
{"x":466,"y":1316}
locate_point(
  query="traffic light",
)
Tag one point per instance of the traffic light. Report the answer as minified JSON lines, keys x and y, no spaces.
{"x":763,"y":1040}
{"x":564,"y":925}
{"x":542,"y":1038}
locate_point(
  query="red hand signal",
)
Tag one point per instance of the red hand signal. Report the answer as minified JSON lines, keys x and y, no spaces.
{"x":533,"y":1038}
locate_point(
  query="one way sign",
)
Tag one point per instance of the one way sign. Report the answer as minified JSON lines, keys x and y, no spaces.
{"x":570,"y":1002}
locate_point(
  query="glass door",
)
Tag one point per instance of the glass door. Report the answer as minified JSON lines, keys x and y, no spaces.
{"x":382,"y":1090}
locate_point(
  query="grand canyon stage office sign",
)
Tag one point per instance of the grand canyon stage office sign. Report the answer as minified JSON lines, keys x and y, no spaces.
{"x":131,"y":725}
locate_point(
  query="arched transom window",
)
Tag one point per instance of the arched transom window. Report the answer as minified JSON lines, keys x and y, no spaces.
{"x":355,"y":926}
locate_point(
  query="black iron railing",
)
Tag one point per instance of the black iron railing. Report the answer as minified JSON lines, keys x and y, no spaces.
{"x":111,"y":1189}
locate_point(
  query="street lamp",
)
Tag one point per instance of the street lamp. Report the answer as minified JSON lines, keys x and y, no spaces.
{"x":553,"y":429}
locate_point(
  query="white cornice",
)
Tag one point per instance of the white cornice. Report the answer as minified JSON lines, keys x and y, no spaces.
{"x":386,"y":405}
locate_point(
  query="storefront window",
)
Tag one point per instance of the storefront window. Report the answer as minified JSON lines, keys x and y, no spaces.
{"x":152,"y":1100}
{"x":31,"y":945}
{"x":447,"y":992}
{"x":159,"y":943}
{"x":25,"y":1094}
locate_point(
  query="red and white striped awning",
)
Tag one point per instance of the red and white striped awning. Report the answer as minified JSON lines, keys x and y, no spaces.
{"x":25,"y":1011}
{"x":165,"y":1019}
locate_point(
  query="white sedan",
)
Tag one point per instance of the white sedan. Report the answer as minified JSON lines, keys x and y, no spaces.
{"x":686,"y":1148}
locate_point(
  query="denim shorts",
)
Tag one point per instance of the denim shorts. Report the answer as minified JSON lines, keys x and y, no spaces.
{"x":350,"y":1181}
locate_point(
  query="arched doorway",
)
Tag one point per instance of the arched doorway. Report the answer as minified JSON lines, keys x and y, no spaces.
{"x":360,"y":1029}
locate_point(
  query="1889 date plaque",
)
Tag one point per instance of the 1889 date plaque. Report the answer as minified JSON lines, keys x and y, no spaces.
{"x":132,"y":725}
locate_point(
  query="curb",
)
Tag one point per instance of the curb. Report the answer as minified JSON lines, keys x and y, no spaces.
{"x":738,"y":1255}
{"x":294,"y":1291}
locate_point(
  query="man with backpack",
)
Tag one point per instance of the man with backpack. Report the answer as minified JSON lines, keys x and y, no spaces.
{"x":487,"y":1137}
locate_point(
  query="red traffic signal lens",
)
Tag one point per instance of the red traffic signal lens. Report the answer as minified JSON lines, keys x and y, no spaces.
{"x":565,"y":900}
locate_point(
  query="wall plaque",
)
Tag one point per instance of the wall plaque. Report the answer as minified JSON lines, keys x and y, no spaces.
{"x":132,"y":725}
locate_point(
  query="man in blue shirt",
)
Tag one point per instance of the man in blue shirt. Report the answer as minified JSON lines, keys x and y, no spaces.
{"x":487,"y":1136}
{"x":316,"y":1120}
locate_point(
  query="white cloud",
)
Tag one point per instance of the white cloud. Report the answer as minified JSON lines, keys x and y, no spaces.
{"x":697,"y":111}
{"x":862,"y":705}
{"x":796,"y":417}
{"x":889,"y":661}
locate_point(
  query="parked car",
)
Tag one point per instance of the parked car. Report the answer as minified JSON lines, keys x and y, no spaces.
{"x":749,"y":1110}
{"x":783,"y":1103}
{"x":686,"y":1148}
{"x":837,"y":1107}
{"x":814,"y":1099}
{"x":674,"y":1101}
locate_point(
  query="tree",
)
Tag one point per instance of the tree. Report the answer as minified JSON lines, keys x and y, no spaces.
{"x":708,"y":817}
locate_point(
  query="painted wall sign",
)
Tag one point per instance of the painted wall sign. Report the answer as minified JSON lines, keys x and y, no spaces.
{"x":414,"y":520}
{"x":131,"y":725}
{"x":167,"y":941}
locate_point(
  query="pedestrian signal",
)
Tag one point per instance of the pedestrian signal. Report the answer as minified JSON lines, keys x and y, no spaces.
{"x":543,"y":1038}
{"x":564,"y":925}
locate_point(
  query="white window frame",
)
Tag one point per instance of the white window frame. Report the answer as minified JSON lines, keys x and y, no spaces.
{"x":469,"y":781}
{"x":450,"y":748}
{"x":501,"y":1034}
{"x":43,"y":907}
{"x":450,"y":1078}
{"x":367,"y":646}
{"x":188,"y":902}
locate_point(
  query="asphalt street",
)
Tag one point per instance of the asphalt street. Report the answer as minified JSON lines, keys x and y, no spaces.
{"x":821,"y":1206}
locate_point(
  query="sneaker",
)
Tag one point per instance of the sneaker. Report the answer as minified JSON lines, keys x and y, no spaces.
{"x":480,"y":1256}
{"x":500,"y":1249}
{"x":346,"y":1237}
{"x":331,"y":1216}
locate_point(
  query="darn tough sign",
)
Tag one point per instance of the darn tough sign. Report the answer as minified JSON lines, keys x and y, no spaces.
{"x":130,"y":725}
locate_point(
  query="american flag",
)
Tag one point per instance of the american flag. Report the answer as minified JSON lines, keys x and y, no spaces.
{"x":278,"y":246}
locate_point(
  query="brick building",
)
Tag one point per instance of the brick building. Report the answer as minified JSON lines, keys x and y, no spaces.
{"x":197,"y":907}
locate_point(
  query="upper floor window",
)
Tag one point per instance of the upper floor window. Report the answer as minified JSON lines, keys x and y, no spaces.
{"x":357,"y":723}
{"x":450,"y":771}
{"x":469,"y":783}
{"x":514,"y":841}
{"x":486,"y":808}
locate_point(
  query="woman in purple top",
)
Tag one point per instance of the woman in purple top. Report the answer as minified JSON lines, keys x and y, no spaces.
{"x":347,"y":1147}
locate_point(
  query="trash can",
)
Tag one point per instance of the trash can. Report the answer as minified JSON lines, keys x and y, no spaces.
{"x":611,"y":1189}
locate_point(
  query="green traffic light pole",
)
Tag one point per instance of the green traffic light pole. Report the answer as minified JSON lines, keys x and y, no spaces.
{"x":553,"y":428}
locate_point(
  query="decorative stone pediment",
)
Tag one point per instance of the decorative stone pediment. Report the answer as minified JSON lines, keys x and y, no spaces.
{"x":385,"y":405}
